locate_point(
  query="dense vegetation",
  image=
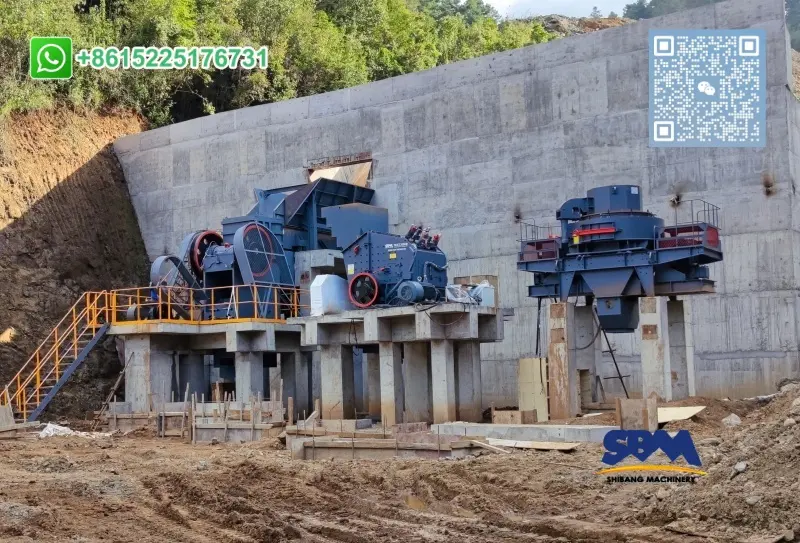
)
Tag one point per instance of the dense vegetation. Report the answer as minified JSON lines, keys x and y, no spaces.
{"x":314,"y":46}
{"x":646,"y":9}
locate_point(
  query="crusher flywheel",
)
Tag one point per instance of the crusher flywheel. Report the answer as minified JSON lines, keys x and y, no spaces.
{"x":363,"y":289}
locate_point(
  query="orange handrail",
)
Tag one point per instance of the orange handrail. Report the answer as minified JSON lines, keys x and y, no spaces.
{"x":195,"y":307}
{"x":52,"y":349}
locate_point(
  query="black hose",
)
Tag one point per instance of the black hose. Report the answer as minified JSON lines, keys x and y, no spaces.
{"x":432,"y":265}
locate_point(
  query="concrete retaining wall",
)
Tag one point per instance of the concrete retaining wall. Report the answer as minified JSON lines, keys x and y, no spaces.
{"x":472,"y":147}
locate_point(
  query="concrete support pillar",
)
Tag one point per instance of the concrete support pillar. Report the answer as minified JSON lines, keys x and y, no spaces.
{"x":678,"y":359}
{"x":249,"y":368}
{"x":688,"y":331}
{"x":148,"y":377}
{"x":272,"y":376}
{"x":192,"y":370}
{"x":316,"y":376}
{"x":583,"y":348}
{"x":359,"y":383}
{"x":665,"y":360}
{"x":654,"y":329}
{"x":416,"y":382}
{"x":391,"y":382}
{"x":338,"y":398}
{"x":295,"y":374}
{"x":372,"y":378}
{"x":468,"y":377}
{"x":562,"y":367}
{"x":443,"y":381}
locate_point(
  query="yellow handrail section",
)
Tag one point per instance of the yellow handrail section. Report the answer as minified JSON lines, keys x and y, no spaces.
{"x":142,"y":305}
{"x":240,"y":303}
{"x":53,"y":355}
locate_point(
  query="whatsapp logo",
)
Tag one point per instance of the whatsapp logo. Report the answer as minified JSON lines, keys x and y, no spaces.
{"x":51,"y":58}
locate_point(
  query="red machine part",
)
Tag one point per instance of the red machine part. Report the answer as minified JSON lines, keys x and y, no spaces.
{"x":363,"y":289}
{"x":712,"y":236}
{"x":201,"y":244}
{"x":592,"y":231}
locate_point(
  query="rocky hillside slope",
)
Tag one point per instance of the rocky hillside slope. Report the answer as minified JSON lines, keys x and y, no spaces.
{"x":66,"y":226}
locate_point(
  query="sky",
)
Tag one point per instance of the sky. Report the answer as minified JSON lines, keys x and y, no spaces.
{"x":571,"y":8}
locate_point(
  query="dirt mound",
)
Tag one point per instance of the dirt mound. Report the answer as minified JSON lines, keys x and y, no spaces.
{"x":66,"y":226}
{"x":567,"y":26}
{"x":752,"y":482}
{"x":709,"y":421}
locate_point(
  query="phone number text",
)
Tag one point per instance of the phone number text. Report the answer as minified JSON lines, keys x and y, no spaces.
{"x":172,"y":58}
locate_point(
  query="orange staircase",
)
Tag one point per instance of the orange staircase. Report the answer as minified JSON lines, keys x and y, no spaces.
{"x":57,"y":357}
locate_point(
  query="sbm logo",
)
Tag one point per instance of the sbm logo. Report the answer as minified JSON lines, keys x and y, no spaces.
{"x":620,"y":444}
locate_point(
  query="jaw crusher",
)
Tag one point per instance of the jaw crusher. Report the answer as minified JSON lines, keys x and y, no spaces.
{"x":387,"y":269}
{"x":610,"y":250}
{"x":258,"y":250}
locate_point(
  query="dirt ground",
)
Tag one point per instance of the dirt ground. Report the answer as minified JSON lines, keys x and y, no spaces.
{"x":139,"y":488}
{"x":66,"y":226}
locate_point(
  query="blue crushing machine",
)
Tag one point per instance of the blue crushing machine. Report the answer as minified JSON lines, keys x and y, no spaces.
{"x":258,"y":249}
{"x":608,"y":248}
{"x":387,"y":269}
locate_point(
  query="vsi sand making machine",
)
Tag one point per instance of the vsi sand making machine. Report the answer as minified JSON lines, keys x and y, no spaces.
{"x":608,"y":248}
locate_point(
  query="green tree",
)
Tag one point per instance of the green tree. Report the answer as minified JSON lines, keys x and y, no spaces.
{"x":596,"y":13}
{"x":471,"y":10}
{"x":314,"y":46}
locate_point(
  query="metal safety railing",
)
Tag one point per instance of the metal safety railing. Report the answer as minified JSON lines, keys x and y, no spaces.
{"x":538,"y":242}
{"x":694,"y":222}
{"x":694,"y":211}
{"x":63,"y":346}
{"x":265,"y":303}
{"x":67,"y":345}
{"x":534,"y":232}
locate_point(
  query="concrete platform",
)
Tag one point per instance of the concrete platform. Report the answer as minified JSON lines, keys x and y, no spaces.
{"x":451,"y":321}
{"x":164,"y":359}
{"x":423,"y":361}
{"x":584,"y":433}
{"x":233,"y":337}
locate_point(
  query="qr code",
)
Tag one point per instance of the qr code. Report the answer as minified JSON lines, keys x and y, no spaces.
{"x":707,"y":88}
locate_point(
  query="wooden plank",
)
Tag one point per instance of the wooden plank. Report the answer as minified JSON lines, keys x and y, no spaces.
{"x":668,"y":414}
{"x":535,"y":445}
{"x":532,"y":390}
{"x":506,"y":416}
{"x":489,"y":447}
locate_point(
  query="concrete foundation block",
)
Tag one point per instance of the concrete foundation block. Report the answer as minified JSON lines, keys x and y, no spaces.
{"x":149,"y":375}
{"x":468,"y":377}
{"x":372,"y":381}
{"x":443,"y":381}
{"x":528,"y":432}
{"x":338,"y":395}
{"x":416,"y":383}
{"x":249,"y":367}
{"x":391,"y":382}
